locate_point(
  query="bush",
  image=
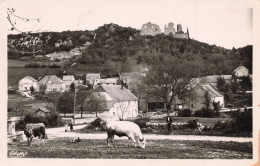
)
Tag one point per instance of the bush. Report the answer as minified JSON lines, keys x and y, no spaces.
{"x":142,"y":122}
{"x":242,"y":123}
{"x":96,"y":122}
{"x":204,"y":113}
{"x":185,"y":113}
{"x":51,"y":120}
{"x":193,"y":124}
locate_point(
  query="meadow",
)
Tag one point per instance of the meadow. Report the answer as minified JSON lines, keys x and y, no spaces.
{"x":155,"y":149}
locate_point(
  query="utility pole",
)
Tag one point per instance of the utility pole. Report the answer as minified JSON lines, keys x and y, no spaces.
{"x":74,"y":115}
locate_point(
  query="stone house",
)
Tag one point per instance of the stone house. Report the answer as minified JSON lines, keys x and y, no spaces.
{"x":198,"y":99}
{"x":42,"y":112}
{"x":68,"y":80}
{"x":90,"y":78}
{"x":104,"y":81}
{"x":240,"y":71}
{"x":27,"y":82}
{"x":52,"y":83}
{"x":120,"y":103}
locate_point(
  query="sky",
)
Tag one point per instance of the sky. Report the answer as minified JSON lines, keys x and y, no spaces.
{"x":226,"y":23}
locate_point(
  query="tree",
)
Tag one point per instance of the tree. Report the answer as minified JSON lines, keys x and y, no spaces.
{"x":217,"y":107}
{"x":246,"y":83}
{"x":81,"y":97}
{"x":170,"y":80}
{"x":72,"y":87}
{"x":123,"y":109}
{"x":221,"y":84}
{"x":95,"y":102}
{"x":66,"y":103}
{"x":42,"y":89}
{"x":207,"y":100}
{"x":234,"y":86}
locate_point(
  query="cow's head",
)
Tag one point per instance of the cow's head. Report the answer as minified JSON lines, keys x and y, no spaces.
{"x":28,"y":132}
{"x":142,"y":143}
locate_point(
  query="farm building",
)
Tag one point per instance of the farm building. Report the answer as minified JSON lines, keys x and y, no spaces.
{"x":105,"y":81}
{"x":68,"y":80}
{"x":52,"y":83}
{"x":42,"y":112}
{"x":118,"y":101}
{"x":90,"y":78}
{"x":198,"y":100}
{"x":27,"y":82}
{"x":240,"y":71}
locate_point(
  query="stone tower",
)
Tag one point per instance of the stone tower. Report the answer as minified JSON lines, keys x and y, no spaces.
{"x":179,"y":28}
{"x":169,"y":29}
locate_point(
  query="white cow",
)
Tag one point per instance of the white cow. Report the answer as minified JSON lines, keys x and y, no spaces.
{"x":124,"y":128}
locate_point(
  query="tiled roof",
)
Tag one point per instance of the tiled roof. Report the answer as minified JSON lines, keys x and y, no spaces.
{"x":212,"y":90}
{"x":117,"y":93}
{"x":92,"y":75}
{"x":34,"y":80}
{"x":43,"y":110}
{"x":50,"y":79}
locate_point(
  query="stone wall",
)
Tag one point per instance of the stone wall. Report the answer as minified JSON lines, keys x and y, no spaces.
{"x":150,"y":29}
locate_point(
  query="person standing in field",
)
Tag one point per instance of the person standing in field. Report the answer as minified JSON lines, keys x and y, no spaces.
{"x":71,"y":126}
{"x":169,"y":123}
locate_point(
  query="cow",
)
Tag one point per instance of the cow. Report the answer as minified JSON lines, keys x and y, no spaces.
{"x":124,"y":128}
{"x":35,"y":130}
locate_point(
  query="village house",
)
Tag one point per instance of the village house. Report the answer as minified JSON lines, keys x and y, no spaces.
{"x":120,"y":103}
{"x":52,"y":83}
{"x":27,"y":82}
{"x":198,"y":99}
{"x":240,"y":71}
{"x":104,"y":81}
{"x":42,"y":112}
{"x":90,"y":78}
{"x":78,"y":82}
{"x":68,"y":80}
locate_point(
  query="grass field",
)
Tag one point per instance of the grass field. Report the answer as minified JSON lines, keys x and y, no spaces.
{"x":155,"y":149}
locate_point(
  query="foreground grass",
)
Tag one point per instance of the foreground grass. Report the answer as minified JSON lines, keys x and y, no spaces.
{"x":156,"y":149}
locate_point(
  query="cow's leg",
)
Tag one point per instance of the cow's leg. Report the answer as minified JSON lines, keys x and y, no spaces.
{"x":111,"y":139}
{"x":108,"y":138}
{"x":131,"y":137}
{"x":129,"y":142}
{"x":28,"y":140}
{"x":31,"y":140}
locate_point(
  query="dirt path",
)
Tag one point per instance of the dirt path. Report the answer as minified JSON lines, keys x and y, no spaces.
{"x":60,"y":132}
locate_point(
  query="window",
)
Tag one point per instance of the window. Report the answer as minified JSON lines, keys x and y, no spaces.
{"x":191,"y":105}
{"x":114,"y":113}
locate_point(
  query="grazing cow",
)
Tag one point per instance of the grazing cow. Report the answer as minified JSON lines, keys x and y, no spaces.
{"x":124,"y":128}
{"x":35,"y":130}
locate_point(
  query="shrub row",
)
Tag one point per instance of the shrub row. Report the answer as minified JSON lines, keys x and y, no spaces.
{"x":37,"y":65}
{"x":51,"y":120}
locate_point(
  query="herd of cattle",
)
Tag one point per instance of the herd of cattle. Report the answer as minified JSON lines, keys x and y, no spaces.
{"x":119,"y":128}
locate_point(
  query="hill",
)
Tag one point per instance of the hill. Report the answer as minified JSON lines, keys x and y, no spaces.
{"x":114,"y":49}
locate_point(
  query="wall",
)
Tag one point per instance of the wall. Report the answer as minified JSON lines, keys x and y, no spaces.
{"x":25,"y":84}
{"x":130,"y":109}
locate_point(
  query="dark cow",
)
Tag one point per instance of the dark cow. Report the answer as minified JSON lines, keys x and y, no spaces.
{"x":124,"y":128}
{"x":35,"y":130}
